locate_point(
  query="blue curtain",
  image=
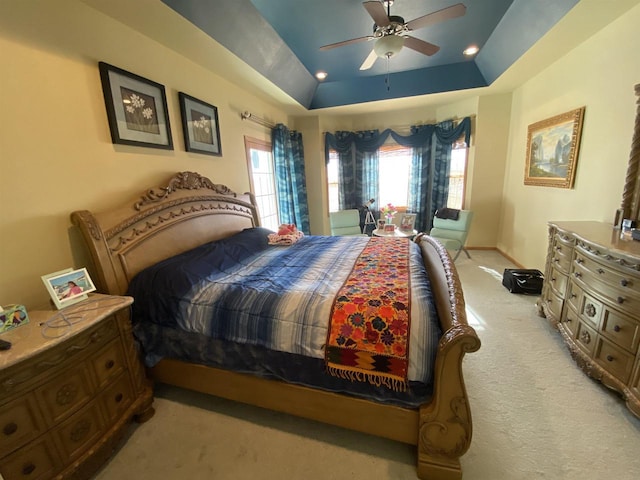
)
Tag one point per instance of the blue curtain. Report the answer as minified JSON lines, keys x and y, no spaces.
{"x":358,"y":165}
{"x":429,"y":177}
{"x":291,"y":188}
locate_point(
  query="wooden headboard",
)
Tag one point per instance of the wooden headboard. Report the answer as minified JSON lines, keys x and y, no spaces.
{"x":164,"y":221}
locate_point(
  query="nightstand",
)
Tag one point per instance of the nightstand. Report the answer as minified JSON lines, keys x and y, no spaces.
{"x":69,"y":387}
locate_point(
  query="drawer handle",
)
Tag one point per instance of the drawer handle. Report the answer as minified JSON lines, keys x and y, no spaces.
{"x":609,"y":358}
{"x":624,"y":282}
{"x":585,"y":337}
{"x":10,"y":428}
{"x":109,"y":364}
{"x":573,"y":295}
{"x":590,"y":310}
{"x":118,"y":398}
{"x":577,"y":275}
{"x":620,"y":300}
{"x":553,"y":279}
{"x":579,"y":261}
{"x":617,"y":328}
{"x":28,"y":469}
{"x":600,"y":271}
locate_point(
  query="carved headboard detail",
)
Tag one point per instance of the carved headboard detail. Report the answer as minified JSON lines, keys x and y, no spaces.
{"x":182,"y":180}
{"x":189,"y":211}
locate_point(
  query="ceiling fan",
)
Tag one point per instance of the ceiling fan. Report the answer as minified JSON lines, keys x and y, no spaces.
{"x":391,"y":33}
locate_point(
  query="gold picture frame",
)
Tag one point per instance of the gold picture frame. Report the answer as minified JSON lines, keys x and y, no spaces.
{"x":552,"y":150}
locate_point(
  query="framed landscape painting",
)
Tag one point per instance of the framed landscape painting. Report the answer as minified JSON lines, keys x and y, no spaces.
{"x":136,"y":109}
{"x":552,"y":150}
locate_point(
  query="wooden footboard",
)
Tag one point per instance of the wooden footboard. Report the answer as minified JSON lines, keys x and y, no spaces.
{"x":445,"y":426}
{"x":190,"y":210}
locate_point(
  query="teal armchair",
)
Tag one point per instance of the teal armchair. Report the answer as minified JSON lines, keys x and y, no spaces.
{"x":453,"y":233}
{"x":345,"y":222}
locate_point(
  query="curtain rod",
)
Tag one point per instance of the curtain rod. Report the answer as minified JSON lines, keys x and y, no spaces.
{"x":246,"y":115}
{"x":428,"y":122}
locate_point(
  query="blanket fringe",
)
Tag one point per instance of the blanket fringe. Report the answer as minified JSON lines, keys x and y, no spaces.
{"x":378,"y":379}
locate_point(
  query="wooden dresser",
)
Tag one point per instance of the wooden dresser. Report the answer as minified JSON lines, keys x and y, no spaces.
{"x":591,"y":293}
{"x":69,"y":388}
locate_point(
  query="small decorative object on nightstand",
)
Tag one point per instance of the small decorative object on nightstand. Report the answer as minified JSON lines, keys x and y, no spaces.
{"x":69,"y":386}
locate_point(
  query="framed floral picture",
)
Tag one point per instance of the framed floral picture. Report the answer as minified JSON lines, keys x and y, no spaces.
{"x":136,"y":109}
{"x":199,"y":125}
{"x":552,"y":150}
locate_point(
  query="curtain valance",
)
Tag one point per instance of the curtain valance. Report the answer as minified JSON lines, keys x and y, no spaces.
{"x":371,"y":140}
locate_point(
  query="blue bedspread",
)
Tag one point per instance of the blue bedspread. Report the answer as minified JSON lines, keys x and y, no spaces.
{"x":243,"y":290}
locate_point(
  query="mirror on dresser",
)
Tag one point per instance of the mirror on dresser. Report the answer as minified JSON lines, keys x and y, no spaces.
{"x":630,"y":206}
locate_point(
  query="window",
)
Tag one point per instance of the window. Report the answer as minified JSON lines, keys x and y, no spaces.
{"x":394,"y":170}
{"x":457,"y":175}
{"x":262,"y":180}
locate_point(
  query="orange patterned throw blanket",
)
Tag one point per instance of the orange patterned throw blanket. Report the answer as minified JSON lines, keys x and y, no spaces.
{"x":368,"y":337}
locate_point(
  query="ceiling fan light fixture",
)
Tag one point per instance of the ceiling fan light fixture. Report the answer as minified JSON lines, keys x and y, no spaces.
{"x":388,"y":46}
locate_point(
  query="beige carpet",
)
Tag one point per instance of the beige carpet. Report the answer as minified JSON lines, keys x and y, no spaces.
{"x":535,"y":416}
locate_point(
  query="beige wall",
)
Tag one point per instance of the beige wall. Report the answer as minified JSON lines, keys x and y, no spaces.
{"x":599,"y":74}
{"x":56,"y":154}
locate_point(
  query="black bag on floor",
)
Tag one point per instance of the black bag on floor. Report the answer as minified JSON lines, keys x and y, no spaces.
{"x":522,"y":280}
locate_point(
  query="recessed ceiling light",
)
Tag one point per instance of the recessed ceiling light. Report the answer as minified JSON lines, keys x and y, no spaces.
{"x":321,"y":75}
{"x":471,"y":50}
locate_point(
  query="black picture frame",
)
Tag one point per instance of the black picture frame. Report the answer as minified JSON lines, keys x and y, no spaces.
{"x":200,"y":125}
{"x":136,"y":109}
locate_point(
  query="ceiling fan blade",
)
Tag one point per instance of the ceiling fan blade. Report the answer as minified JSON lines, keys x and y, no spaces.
{"x":369,"y":61}
{"x":345,"y":42}
{"x":377,"y":12}
{"x":421,"y":46}
{"x":454,"y":11}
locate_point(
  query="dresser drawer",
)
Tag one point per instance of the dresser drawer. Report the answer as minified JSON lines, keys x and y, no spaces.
{"x":609,"y":273}
{"x":591,"y":311}
{"x":108,"y":363}
{"x":622,"y":330}
{"x":570,"y":321}
{"x":613,"y":359}
{"x":586,"y":338}
{"x":20,"y":422}
{"x":65,"y":393}
{"x":574,"y":295}
{"x":36,"y":461}
{"x":80,"y":431}
{"x":558,"y":282}
{"x":554,"y":304}
{"x":117,"y":398}
{"x":561,"y":260}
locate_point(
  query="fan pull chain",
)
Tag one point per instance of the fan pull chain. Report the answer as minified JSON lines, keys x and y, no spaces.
{"x":387,"y":79}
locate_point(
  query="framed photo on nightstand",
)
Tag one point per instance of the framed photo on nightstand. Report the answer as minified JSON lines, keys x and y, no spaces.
{"x":407,"y":222}
{"x":68,"y":286}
